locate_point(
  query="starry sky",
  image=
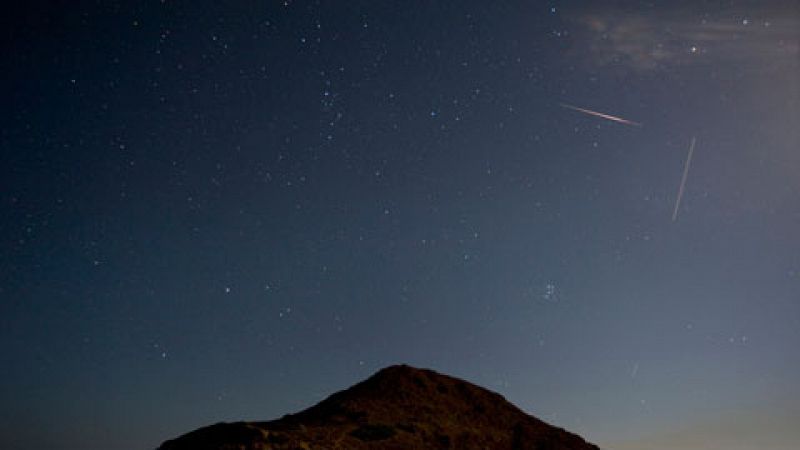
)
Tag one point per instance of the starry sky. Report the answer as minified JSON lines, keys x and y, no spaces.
{"x":217,"y":211}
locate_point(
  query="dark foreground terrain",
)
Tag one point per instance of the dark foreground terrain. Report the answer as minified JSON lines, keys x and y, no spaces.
{"x":400,"y":407}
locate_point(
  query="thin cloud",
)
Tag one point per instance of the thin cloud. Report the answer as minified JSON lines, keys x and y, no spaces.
{"x":660,"y":39}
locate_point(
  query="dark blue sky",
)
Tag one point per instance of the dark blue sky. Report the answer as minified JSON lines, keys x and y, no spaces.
{"x":214,"y":211}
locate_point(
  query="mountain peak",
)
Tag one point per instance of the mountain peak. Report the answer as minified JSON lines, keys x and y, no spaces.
{"x":398,"y":407}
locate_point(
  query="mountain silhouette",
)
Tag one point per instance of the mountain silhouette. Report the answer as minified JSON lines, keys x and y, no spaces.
{"x":399,"y":407}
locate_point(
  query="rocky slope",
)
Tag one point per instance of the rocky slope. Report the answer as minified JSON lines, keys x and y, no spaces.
{"x":399,"y":407}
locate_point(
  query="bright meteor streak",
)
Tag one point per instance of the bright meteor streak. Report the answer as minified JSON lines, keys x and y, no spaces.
{"x":599,"y":114}
{"x":683,"y":180}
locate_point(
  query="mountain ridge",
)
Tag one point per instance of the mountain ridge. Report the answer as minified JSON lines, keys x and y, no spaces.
{"x":398,"y":407}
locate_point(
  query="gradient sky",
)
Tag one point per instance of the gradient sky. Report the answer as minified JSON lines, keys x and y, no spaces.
{"x":215,"y":211}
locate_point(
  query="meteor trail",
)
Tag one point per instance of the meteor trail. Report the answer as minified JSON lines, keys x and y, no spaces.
{"x":683,"y":180}
{"x":599,"y":114}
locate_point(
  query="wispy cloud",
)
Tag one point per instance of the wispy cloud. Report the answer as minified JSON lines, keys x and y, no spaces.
{"x":653,"y":39}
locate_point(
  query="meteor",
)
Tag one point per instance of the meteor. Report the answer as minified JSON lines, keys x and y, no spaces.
{"x":683,"y":180}
{"x":603,"y":115}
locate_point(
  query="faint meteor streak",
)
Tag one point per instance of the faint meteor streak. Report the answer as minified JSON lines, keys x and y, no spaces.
{"x":603,"y":115}
{"x":683,"y":180}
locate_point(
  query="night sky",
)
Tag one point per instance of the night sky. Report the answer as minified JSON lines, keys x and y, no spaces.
{"x":219,"y":211}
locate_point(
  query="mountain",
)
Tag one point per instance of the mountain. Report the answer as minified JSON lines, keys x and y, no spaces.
{"x":399,"y":407}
